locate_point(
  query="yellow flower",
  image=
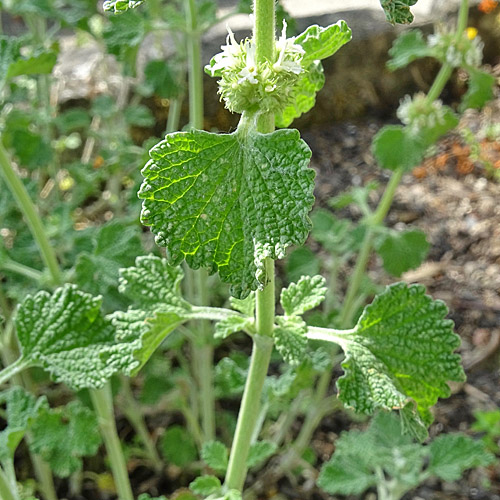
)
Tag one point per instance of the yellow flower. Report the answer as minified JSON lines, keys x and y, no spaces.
{"x":471,"y":33}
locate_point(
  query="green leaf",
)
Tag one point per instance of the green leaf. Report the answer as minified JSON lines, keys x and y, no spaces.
{"x":22,"y":409}
{"x":154,"y":286}
{"x":146,"y":496}
{"x":318,"y":43}
{"x":338,"y":236}
{"x":358,"y":455}
{"x":402,"y":251}
{"x":22,"y":7}
{"x":306,"y":294}
{"x":230,"y":378}
{"x":260,"y":452}
{"x":66,"y":334}
{"x":41,"y":64}
{"x":139,"y":116}
{"x":65,"y":435}
{"x":349,"y":471}
{"x":290,"y":338}
{"x":408,"y":46}
{"x":227,"y":202}
{"x":231,"y":325}
{"x":302,"y":261}
{"x":400,"y":350}
{"x":395,"y":147}
{"x":205,"y":485}
{"x":114,"y":246}
{"x":480,"y":89}
{"x":178,"y":446}
{"x":119,"y":6}
{"x":308,"y":85}
{"x":215,"y":455}
{"x":160,"y":80}
{"x":452,"y":454}
{"x":245,"y":306}
{"x":398,"y":11}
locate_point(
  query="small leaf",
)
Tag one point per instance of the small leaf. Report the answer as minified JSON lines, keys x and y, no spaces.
{"x":400,"y":350}
{"x":398,"y":11}
{"x":154,"y":286}
{"x":178,"y":446}
{"x":230,"y":378}
{"x":41,"y":64}
{"x":302,"y":261}
{"x":290,"y":339}
{"x":402,"y":251}
{"x":22,"y":409}
{"x":119,"y":6}
{"x":306,"y":294}
{"x":65,"y":435}
{"x":394,"y":147}
{"x":139,"y":116}
{"x":260,"y":452}
{"x":245,"y":306}
{"x":408,"y":46}
{"x":452,"y":454}
{"x":231,"y":325}
{"x":205,"y":485}
{"x":480,"y":89}
{"x":215,"y":455}
{"x":227,"y":202}
{"x":318,"y":43}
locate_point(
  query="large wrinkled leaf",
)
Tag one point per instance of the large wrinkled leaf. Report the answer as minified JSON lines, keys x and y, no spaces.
{"x":400,"y":349}
{"x":22,"y":409}
{"x":227,"y":202}
{"x":408,"y":47}
{"x":65,"y":435}
{"x":399,"y":355}
{"x":398,"y":11}
{"x":318,"y":43}
{"x":66,"y":334}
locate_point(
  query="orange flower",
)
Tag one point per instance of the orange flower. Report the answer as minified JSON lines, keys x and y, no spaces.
{"x":487,"y":6}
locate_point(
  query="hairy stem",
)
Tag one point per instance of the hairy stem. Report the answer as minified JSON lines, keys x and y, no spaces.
{"x":8,"y":491}
{"x":132,"y":411}
{"x":33,"y":218}
{"x":18,"y":268}
{"x":13,"y":369}
{"x":102,"y":400}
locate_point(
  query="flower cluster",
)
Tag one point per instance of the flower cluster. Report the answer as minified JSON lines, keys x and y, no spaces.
{"x":418,"y":114}
{"x":463,"y":52}
{"x":248,"y":85}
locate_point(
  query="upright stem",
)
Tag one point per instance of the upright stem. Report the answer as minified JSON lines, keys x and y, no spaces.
{"x":102,"y":400}
{"x":264,"y":40}
{"x":364,"y":254}
{"x":34,"y":222}
{"x":195,"y":67}
{"x":6,"y":492}
{"x":134,"y":415}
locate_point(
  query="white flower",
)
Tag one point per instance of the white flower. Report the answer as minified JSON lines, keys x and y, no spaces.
{"x":289,"y":54}
{"x":230,"y":55}
{"x":249,"y":72}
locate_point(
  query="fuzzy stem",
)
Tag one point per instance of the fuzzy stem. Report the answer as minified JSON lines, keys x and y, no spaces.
{"x":13,"y":369}
{"x":134,"y":415}
{"x":32,"y":217}
{"x":364,"y":254}
{"x":17,"y":267}
{"x":6,"y":492}
{"x":102,"y":400}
